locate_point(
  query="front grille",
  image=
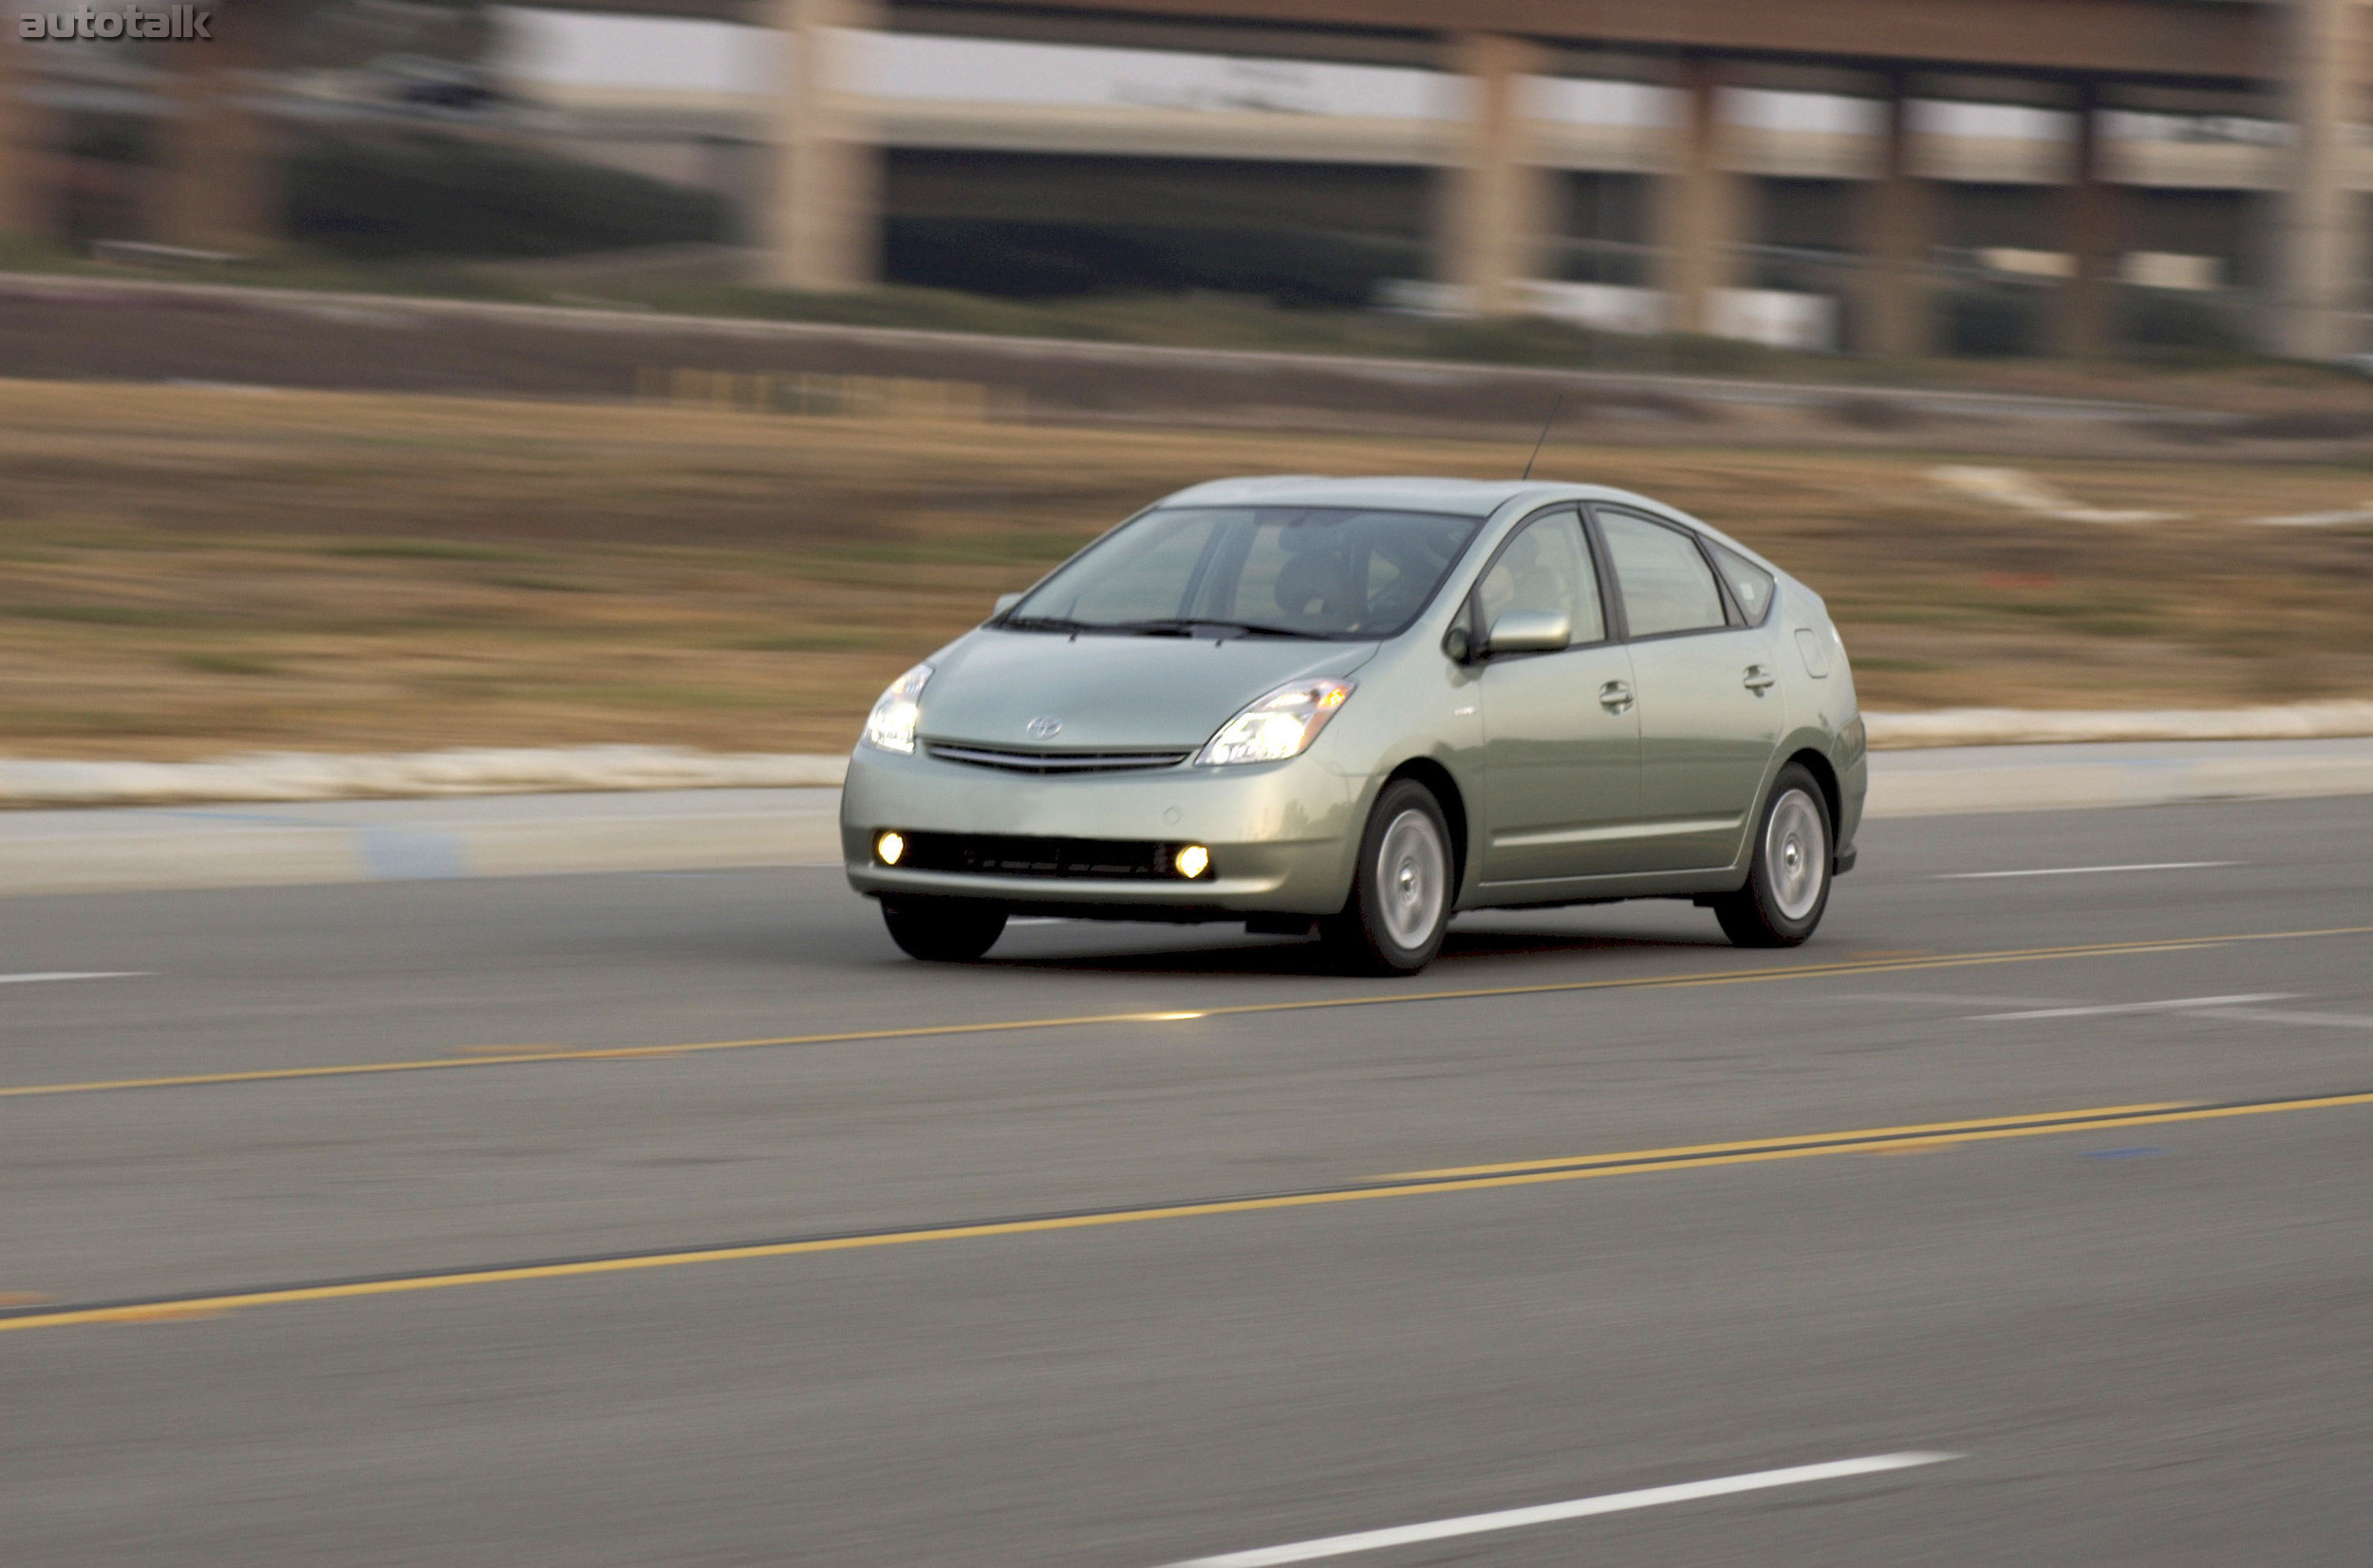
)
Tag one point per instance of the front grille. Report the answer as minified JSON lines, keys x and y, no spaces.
{"x":1014,"y":761}
{"x":1002,"y":855}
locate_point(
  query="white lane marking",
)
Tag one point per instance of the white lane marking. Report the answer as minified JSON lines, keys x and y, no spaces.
{"x":1938,"y":999}
{"x":2173,"y":1004}
{"x":2268,"y":1014}
{"x":1551,"y":1513}
{"x":2086,"y":870}
{"x":37,"y":977}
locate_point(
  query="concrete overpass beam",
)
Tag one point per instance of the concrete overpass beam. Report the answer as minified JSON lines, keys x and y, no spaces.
{"x":1495,"y":212}
{"x":1898,"y":229}
{"x":2318,"y":289}
{"x":1699,"y":206}
{"x":2090,"y":230}
{"x":820,"y":226}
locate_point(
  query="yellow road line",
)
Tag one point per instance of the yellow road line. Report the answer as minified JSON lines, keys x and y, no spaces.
{"x":1859,"y":1135}
{"x":481,"y":1056}
{"x":1644,"y":1162}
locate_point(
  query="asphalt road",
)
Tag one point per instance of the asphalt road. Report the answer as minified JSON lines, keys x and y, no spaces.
{"x":909,"y":1266}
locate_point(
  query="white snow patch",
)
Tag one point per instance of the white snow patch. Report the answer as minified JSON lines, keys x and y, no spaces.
{"x":2023,"y":492}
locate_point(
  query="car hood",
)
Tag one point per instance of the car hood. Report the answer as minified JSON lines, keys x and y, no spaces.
{"x":1111,"y":693}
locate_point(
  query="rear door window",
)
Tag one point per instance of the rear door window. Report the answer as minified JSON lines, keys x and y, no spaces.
{"x":1666,"y":583}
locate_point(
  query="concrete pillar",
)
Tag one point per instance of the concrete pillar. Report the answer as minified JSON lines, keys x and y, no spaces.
{"x":1495,"y":212}
{"x":820,"y":223}
{"x":30,"y":201}
{"x":220,"y":183}
{"x":1699,"y":215}
{"x":2317,"y":290}
{"x":2089,"y":233}
{"x":1898,"y":229}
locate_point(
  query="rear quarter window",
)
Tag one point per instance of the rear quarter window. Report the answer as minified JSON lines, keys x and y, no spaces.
{"x":1751,"y":584}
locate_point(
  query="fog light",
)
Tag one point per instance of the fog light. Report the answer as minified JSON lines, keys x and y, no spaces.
{"x":890,"y":847}
{"x":1192,"y":861}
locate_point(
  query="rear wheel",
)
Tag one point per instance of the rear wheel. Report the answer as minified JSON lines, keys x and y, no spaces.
{"x":1400,"y":901}
{"x":943,"y":930}
{"x":1787,"y":886}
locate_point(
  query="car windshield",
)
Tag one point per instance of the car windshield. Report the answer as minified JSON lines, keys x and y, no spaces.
{"x":1255,"y":570}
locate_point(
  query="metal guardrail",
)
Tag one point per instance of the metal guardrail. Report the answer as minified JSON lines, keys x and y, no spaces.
{"x":137,"y":252}
{"x":825,"y":395}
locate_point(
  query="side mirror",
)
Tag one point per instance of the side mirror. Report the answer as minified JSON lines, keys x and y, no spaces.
{"x":1529,"y":632}
{"x":1005,"y":602}
{"x":1459,"y":644}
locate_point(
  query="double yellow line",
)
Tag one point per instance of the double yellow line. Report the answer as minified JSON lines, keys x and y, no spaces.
{"x":531,"y":1055}
{"x":1407,"y":1185}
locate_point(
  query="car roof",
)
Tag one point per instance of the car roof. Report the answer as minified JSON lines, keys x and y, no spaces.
{"x":1399,"y":493}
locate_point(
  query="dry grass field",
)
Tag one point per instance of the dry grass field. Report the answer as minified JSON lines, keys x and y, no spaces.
{"x":186,"y":571}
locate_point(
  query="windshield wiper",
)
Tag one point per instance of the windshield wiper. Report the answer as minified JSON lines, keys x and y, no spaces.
{"x":1167,"y":626}
{"x":1185,"y":627}
{"x":1126,"y":628}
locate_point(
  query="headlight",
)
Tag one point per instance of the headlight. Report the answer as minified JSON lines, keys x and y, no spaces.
{"x":891,"y":724}
{"x":1281,"y":724}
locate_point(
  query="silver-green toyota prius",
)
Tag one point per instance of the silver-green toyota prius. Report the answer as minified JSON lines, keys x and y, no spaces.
{"x":1358,"y":706}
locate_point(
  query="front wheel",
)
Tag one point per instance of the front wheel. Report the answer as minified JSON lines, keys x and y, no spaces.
{"x":1400,"y":901}
{"x":1787,"y":886}
{"x":943,"y":930}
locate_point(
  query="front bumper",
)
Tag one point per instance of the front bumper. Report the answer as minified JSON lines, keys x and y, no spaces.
{"x":1282,"y":835}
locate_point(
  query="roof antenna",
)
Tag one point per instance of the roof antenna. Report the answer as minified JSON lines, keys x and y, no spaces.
{"x":1544,"y":436}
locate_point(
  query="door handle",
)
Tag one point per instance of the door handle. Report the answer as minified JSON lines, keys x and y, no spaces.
{"x":1615,"y":697}
{"x":1759,"y":679}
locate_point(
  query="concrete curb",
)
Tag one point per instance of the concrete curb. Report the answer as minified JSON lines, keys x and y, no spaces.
{"x":122,"y":850}
{"x":128,"y":849}
{"x":493,"y":770}
{"x":2024,"y":726}
{"x":1964,"y":780}
{"x":481,"y":771}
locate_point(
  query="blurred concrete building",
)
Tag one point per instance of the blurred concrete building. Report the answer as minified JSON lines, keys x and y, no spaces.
{"x":1689,"y":164}
{"x":2174,"y":129}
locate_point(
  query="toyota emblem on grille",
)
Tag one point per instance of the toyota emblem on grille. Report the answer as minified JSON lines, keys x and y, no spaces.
{"x":1046,"y":726}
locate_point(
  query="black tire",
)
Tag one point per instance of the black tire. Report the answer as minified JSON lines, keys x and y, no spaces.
{"x":1788,"y":878}
{"x":943,"y":930}
{"x":1393,"y":922}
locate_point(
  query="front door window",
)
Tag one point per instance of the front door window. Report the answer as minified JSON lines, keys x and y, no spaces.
{"x":1547,"y":569}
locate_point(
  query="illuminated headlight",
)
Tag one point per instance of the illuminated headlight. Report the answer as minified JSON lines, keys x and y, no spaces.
{"x":1192,"y":861}
{"x":891,"y":724}
{"x":1281,"y":724}
{"x":890,"y":847}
